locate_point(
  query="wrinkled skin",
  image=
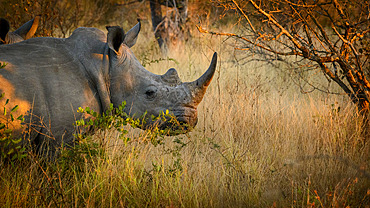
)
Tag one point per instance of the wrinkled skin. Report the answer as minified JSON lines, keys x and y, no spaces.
{"x":49,"y":78}
{"x":24,"y":32}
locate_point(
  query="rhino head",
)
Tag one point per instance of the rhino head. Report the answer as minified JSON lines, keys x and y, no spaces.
{"x":149,"y":94}
{"x":24,"y":32}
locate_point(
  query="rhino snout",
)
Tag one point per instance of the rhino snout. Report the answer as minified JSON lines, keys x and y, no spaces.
{"x":182,"y":125}
{"x":177,"y":122}
{"x":187,"y":122}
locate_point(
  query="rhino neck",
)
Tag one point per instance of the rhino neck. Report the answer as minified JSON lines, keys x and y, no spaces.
{"x":89,"y":46}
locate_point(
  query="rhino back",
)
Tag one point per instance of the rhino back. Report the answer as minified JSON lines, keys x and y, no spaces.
{"x":46,"y":77}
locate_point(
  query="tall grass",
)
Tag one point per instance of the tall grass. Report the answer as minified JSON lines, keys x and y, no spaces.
{"x":259,"y":142}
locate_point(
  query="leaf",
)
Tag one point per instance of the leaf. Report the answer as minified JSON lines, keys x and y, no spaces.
{"x":16,"y":141}
{"x":23,"y":155}
{"x":10,"y":151}
{"x":2,"y":65}
{"x":15,"y":156}
{"x":20,"y":118}
{"x":174,"y":60}
{"x":90,"y":123}
{"x":95,"y":114}
{"x":7,"y":101}
{"x":15,"y":108}
{"x":8,"y":131}
{"x":2,"y":96}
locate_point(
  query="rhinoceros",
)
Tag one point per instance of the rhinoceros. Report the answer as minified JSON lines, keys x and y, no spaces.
{"x":24,"y":32}
{"x":49,"y":78}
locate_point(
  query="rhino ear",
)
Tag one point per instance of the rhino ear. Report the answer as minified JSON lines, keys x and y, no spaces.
{"x":4,"y":29}
{"x":115,"y":37}
{"x":27,"y":30}
{"x":131,"y":35}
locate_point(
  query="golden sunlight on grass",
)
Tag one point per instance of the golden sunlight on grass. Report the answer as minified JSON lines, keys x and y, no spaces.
{"x":259,"y":142}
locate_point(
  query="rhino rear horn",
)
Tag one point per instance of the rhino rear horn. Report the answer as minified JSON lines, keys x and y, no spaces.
{"x":199,"y":86}
{"x":28,"y":29}
{"x":171,"y":77}
{"x":4,"y":29}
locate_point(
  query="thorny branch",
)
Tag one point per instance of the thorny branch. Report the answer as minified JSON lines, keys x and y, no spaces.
{"x":329,"y":33}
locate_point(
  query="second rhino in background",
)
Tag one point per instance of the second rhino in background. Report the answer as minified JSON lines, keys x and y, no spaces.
{"x":24,"y":32}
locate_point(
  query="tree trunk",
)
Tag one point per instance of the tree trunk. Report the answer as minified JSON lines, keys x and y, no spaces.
{"x":171,"y":28}
{"x":157,"y":23}
{"x":183,"y":10}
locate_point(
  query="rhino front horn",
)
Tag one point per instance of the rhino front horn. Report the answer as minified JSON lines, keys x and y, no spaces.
{"x":199,"y":86}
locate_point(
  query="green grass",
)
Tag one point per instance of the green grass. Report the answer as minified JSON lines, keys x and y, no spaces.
{"x":259,"y":143}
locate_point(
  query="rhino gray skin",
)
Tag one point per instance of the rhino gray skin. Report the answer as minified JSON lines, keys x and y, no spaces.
{"x":49,"y":78}
{"x":24,"y":32}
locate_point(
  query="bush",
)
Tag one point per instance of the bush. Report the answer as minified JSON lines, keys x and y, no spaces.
{"x":10,"y":145}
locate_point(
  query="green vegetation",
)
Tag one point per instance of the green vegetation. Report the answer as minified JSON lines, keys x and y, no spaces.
{"x":2,"y":65}
{"x":11,"y":147}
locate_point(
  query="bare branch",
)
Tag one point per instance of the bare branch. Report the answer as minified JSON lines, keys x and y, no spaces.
{"x":323,"y":33}
{"x":340,"y":11}
{"x":352,"y":47}
{"x":283,"y":30}
{"x":200,"y":29}
{"x":301,"y":29}
{"x":245,"y":16}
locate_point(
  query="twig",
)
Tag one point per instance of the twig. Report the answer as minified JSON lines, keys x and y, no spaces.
{"x":245,"y":16}
{"x":200,"y":29}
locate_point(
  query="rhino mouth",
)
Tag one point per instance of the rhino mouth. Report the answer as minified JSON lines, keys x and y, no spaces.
{"x":182,"y":124}
{"x":174,"y":125}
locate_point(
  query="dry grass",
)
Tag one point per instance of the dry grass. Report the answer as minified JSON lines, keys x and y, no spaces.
{"x":258,"y":143}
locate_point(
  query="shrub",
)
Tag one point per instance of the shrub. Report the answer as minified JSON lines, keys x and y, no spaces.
{"x":10,"y":145}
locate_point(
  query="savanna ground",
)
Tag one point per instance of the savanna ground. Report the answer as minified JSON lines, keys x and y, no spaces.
{"x":259,"y":142}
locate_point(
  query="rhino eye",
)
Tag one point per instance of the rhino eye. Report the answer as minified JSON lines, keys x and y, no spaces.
{"x":150,"y":94}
